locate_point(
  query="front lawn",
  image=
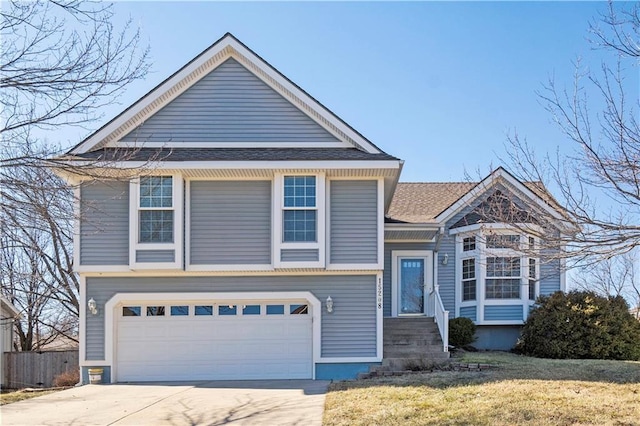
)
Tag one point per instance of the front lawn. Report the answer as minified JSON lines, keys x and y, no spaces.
{"x":9,"y":396}
{"x":520,"y":390}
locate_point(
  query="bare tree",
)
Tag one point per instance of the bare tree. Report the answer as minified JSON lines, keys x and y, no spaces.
{"x":36,"y":256}
{"x":616,"y":276}
{"x":61,"y":62}
{"x":598,"y":181}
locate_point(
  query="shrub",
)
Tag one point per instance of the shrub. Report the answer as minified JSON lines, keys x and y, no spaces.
{"x":67,"y":379}
{"x":581,"y":324}
{"x":461,"y":331}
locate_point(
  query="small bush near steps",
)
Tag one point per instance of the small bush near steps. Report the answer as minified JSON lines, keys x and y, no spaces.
{"x":581,"y":325}
{"x":461,"y":332}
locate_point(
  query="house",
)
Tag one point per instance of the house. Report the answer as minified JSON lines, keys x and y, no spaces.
{"x":238,"y":229}
{"x":8,"y":315}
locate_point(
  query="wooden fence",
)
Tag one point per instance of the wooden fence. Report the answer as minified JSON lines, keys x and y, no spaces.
{"x":36,"y":369}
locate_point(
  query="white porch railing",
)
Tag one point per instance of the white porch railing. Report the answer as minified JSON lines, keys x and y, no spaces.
{"x":440,"y":316}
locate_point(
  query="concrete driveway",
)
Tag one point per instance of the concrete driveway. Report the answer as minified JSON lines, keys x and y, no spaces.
{"x":263,"y":402}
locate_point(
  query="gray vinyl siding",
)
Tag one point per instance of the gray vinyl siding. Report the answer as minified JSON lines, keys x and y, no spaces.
{"x":155,"y":256}
{"x":104,"y":223}
{"x":503,"y":312}
{"x":299,"y":255}
{"x":354,"y":221}
{"x":389,"y":269}
{"x":469,"y":312}
{"x":230,"y":104}
{"x":230,"y":222}
{"x":350,"y":331}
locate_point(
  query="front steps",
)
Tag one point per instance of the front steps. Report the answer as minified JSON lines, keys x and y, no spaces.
{"x":410,"y":344}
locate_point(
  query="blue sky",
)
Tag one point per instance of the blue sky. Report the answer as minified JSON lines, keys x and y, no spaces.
{"x":438,"y":84}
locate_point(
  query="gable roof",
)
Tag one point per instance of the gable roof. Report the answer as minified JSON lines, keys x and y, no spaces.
{"x":423,"y":202}
{"x":222,"y":50}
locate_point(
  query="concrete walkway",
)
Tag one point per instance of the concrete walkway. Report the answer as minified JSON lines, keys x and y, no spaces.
{"x":263,"y":402}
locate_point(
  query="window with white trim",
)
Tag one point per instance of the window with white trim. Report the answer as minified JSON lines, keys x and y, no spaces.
{"x":495,"y":266}
{"x":503,"y":278}
{"x":532,"y":278}
{"x":469,"y":279}
{"x":299,"y":209}
{"x":155,"y":210}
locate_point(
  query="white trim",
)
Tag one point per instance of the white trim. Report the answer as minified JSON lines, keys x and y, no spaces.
{"x":119,"y":298}
{"x":206,"y":62}
{"x":498,"y":226}
{"x":563,"y":275}
{"x":77,"y":213}
{"x":396,"y":255}
{"x":226,"y":273}
{"x":82,"y":323}
{"x":321,"y":225}
{"x":380,"y":223}
{"x":379,"y":314}
{"x":484,"y":185}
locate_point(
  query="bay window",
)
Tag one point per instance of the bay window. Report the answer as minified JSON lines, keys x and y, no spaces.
{"x":495,"y":272}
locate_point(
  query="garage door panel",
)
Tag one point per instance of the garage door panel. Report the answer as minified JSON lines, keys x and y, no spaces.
{"x":213,"y":347}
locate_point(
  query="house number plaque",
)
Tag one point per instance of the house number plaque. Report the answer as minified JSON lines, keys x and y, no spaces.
{"x":379,"y":293}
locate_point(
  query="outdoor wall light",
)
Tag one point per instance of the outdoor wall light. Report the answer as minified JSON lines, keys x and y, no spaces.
{"x":329,"y":304}
{"x":93,"y":307}
{"x":445,"y":259}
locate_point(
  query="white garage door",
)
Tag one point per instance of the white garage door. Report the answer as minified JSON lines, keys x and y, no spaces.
{"x":213,"y":341}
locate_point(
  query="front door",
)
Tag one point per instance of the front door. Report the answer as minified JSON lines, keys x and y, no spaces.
{"x":413,"y":283}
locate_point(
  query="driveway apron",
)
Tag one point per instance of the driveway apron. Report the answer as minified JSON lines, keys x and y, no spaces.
{"x":262,"y":402}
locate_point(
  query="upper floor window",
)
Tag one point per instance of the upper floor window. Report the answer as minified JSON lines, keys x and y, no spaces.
{"x":469,"y":244}
{"x":156,"y":210}
{"x":300,"y":209}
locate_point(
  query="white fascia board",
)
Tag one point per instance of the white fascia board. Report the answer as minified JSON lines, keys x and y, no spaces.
{"x":225,"y":48}
{"x":9,"y":306}
{"x":487,"y":183}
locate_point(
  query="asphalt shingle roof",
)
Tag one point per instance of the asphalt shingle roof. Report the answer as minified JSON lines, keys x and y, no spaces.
{"x":232,"y":154}
{"x":421,"y":202}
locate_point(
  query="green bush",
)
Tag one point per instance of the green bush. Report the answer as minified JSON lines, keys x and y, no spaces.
{"x":461,"y":331}
{"x":581,"y":325}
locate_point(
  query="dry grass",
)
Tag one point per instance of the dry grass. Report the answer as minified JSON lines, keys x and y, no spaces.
{"x":521,"y":390}
{"x":9,"y":396}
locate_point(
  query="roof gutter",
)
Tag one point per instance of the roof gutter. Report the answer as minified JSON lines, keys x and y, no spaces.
{"x":392,"y":190}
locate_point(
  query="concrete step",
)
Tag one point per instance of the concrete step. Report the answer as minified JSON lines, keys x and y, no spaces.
{"x":397,"y":353}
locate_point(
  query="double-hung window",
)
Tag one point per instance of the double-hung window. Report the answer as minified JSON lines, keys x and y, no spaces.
{"x":156,"y":210}
{"x":155,"y":222}
{"x":300,"y":209}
